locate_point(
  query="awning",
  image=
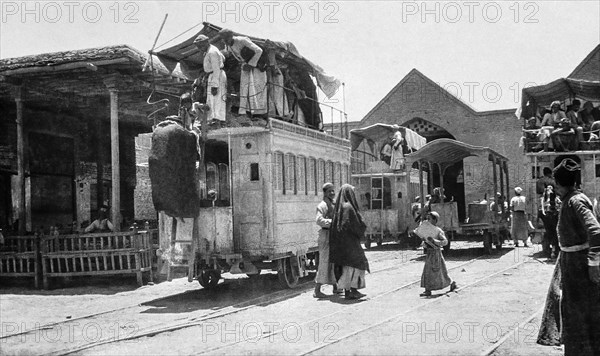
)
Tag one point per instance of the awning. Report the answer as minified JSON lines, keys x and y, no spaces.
{"x":446,"y":152}
{"x":190,"y":59}
{"x":560,"y":89}
{"x":380,"y":132}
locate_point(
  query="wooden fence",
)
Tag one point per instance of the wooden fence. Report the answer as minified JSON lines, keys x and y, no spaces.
{"x":95,"y":254}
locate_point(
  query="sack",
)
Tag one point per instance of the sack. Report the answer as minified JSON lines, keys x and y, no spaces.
{"x":427,"y":229}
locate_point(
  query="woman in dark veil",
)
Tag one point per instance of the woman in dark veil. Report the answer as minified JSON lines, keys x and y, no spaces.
{"x":346,"y":232}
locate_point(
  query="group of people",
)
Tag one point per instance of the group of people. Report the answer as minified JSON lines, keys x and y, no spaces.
{"x":563,"y":131}
{"x":342,"y":260}
{"x":264,"y":85}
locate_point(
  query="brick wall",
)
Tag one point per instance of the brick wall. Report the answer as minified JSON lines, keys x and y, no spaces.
{"x":416,"y":96}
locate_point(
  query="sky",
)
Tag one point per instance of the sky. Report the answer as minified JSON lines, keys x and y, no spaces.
{"x":484,"y":52}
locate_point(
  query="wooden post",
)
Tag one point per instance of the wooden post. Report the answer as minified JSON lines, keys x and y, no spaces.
{"x":421,"y":190}
{"x":22,"y":214}
{"x":441,"y":181}
{"x":495,"y":173}
{"x":505,"y":167}
{"x":500,"y":164}
{"x":111,"y":84}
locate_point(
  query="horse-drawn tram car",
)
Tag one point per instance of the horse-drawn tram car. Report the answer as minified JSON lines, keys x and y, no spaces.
{"x":260,"y":174}
{"x":487,"y":222}
{"x":266,"y":191}
{"x":384,"y":180}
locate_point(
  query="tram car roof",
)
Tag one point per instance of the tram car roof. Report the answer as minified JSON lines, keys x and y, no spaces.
{"x":560,"y":89}
{"x":190,"y":59}
{"x":379,"y":132}
{"x":446,"y":151}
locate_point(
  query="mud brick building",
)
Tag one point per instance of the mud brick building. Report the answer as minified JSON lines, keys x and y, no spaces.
{"x":68,"y":121}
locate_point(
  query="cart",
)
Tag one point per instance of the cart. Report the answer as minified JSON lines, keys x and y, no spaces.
{"x":267,"y":182}
{"x":384,"y":192}
{"x":481,"y":222}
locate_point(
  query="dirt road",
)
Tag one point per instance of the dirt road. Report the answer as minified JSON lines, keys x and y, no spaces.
{"x":495,"y":311}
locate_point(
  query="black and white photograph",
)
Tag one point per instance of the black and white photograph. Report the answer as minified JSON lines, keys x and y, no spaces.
{"x":300,"y":177}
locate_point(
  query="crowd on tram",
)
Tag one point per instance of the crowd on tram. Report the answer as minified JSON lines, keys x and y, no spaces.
{"x":576,"y":128}
{"x":248,"y":82}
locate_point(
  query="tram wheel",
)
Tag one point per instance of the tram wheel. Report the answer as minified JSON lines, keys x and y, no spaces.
{"x":209,"y":278}
{"x":288,"y":278}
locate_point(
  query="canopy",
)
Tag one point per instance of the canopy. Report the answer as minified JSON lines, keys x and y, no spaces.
{"x":190,"y":58}
{"x":380,"y":132}
{"x":445,"y":151}
{"x":560,"y":89}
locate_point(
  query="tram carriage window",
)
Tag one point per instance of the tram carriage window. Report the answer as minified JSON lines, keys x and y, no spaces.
{"x":337,"y":174}
{"x":212,"y":181}
{"x":310,"y":176}
{"x":320,"y":173}
{"x":290,"y":174}
{"x":278,"y":171}
{"x":535,"y":172}
{"x":381,"y":193}
{"x":597,"y":170}
{"x":224,"y":181}
{"x":329,"y":172}
{"x":301,"y":174}
{"x":254,"y":176}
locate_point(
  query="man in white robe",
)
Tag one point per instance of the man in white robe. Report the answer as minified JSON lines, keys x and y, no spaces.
{"x":216,"y":91}
{"x":253,"y":81}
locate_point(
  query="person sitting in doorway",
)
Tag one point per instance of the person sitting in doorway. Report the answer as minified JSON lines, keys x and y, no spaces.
{"x":101,"y":224}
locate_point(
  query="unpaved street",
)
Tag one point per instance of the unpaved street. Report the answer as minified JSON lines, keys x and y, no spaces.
{"x":496,"y":310}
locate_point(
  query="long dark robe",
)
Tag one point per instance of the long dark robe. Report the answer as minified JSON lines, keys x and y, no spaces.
{"x":347,"y":229}
{"x":580,"y":298}
{"x":579,"y":306}
{"x":550,"y":328}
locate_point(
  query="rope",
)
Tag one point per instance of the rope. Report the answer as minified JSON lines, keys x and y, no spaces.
{"x":179,"y":35}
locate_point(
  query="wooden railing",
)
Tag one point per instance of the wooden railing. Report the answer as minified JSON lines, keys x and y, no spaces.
{"x":97,"y":254}
{"x":19,"y":257}
{"x":128,"y":252}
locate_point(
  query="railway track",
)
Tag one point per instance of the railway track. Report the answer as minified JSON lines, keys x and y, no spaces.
{"x":240,"y":307}
{"x":345,"y":310}
{"x":262,"y":300}
{"x":138,"y":304}
{"x":199,"y":318}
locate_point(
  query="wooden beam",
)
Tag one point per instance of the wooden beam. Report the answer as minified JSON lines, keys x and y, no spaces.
{"x":62,"y":67}
{"x":21,"y":160}
{"x":112,"y":83}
